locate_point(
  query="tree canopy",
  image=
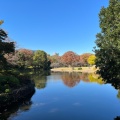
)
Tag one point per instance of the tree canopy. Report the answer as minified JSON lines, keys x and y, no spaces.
{"x":108,"y":41}
{"x":40,"y":59}
{"x":69,"y":58}
{"x":5,"y":47}
{"x":83,"y":59}
{"x":91,"y":59}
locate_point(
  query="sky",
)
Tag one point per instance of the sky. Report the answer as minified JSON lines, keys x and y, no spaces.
{"x":54,"y":26}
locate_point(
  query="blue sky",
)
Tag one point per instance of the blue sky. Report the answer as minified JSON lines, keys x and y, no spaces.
{"x":55,"y":26}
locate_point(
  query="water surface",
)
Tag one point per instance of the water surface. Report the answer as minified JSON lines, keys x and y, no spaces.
{"x":69,"y":96}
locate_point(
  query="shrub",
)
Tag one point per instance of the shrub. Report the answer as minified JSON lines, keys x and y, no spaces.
{"x":7,"y":90}
{"x":79,"y":68}
{"x":8,"y":82}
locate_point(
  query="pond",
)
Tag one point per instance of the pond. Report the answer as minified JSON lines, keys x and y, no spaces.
{"x":68,"y":96}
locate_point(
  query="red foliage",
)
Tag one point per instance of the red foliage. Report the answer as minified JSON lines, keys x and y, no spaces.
{"x":83,"y":58}
{"x":69,"y":58}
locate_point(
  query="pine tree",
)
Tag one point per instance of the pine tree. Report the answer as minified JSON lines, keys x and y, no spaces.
{"x":5,"y":47}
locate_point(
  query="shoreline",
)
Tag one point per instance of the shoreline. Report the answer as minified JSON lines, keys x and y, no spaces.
{"x":16,"y":96}
{"x":83,"y":69}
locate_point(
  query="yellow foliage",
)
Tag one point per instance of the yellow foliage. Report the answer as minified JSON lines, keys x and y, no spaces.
{"x":91,"y":60}
{"x":1,"y":22}
{"x":95,"y":78}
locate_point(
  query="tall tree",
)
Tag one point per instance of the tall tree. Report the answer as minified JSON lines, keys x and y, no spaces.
{"x":69,"y":58}
{"x":108,"y":41}
{"x":40,"y":59}
{"x":5,"y":48}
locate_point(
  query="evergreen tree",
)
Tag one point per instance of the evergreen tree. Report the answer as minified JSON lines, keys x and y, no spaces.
{"x":108,"y":41}
{"x":5,"y":47}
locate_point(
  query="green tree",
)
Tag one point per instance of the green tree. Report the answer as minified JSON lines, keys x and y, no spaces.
{"x":91,"y":59}
{"x":5,"y":48}
{"x":108,"y":41}
{"x":40,"y":59}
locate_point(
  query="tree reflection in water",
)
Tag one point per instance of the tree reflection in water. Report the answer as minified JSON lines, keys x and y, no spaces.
{"x":117,"y":118}
{"x":40,"y":79}
{"x":70,"y":79}
{"x":21,"y":106}
{"x":73,"y":78}
{"x":115,"y":82}
{"x":95,"y":78}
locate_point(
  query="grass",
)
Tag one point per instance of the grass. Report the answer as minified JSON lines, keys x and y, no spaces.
{"x":75,"y":69}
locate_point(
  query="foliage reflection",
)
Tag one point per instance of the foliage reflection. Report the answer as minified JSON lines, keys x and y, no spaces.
{"x":24,"y":105}
{"x":73,"y":78}
{"x":70,"y":79}
{"x":40,"y":79}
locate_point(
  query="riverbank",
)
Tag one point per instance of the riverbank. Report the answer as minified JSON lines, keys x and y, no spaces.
{"x":75,"y":69}
{"x":16,"y":96}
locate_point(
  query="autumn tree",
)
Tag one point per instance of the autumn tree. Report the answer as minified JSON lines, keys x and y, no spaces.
{"x":55,"y":60}
{"x":83,"y":59}
{"x":12,"y":58}
{"x":21,"y":58}
{"x":25,"y":57}
{"x":5,"y":48}
{"x":69,"y":58}
{"x":108,"y":41}
{"x":91,"y":59}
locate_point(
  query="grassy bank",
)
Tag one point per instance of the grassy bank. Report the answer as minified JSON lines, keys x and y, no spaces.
{"x":75,"y":69}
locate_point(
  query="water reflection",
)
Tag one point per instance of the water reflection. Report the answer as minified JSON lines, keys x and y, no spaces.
{"x":95,"y":78}
{"x":114,"y":82}
{"x":11,"y":111}
{"x":26,"y":105}
{"x":73,"y":78}
{"x":40,"y":79}
{"x":68,"y":79}
{"x":117,"y":118}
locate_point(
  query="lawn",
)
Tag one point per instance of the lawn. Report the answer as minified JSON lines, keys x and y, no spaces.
{"x":75,"y":69}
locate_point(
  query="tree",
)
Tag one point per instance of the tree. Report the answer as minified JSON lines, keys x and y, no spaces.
{"x":25,"y":57}
{"x":91,"y":60}
{"x":40,"y":59}
{"x":83,"y":59}
{"x":5,"y":48}
{"x":69,"y":58}
{"x":108,"y":41}
{"x":55,"y":60}
{"x":22,"y":58}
